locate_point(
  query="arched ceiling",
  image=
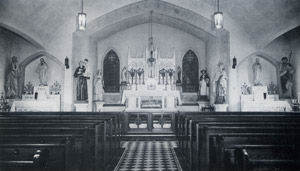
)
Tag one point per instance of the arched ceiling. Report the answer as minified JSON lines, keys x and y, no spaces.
{"x":263,"y":20}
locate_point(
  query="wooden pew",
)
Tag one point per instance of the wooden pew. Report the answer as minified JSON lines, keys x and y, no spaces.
{"x":186,"y":140}
{"x":281,"y":146}
{"x":73,"y":118}
{"x":20,"y":156}
{"x":95,"y":148}
{"x":230,"y":116}
{"x":185,"y":123}
{"x":252,"y":158}
{"x":204,"y":134}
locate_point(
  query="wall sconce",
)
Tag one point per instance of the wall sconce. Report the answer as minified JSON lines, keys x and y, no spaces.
{"x":81,"y":18}
{"x":218,"y":16}
{"x":233,"y":63}
{"x":67,"y":62}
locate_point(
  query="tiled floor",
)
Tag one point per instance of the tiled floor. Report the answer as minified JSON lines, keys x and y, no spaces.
{"x":149,"y":156}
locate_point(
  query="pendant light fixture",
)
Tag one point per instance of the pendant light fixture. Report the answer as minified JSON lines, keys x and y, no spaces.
{"x":218,"y":16}
{"x":81,"y":18}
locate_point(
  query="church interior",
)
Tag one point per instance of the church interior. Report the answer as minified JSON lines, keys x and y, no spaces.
{"x":157,"y":85}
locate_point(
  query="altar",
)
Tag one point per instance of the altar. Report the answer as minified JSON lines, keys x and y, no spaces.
{"x":42,"y":99}
{"x":149,"y":82}
{"x":260,"y":100}
{"x":151,"y":100}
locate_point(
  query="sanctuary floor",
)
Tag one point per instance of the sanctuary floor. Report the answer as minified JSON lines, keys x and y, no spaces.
{"x":149,"y":156}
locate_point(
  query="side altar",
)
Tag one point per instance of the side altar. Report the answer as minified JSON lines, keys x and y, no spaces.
{"x":149,"y":82}
{"x":263,"y":100}
{"x":41,"y":98}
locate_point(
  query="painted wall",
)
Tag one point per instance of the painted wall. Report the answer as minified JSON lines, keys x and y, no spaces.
{"x":165,"y":38}
{"x":6,"y":38}
{"x":60,"y":45}
{"x":12,"y":44}
{"x":22,"y":49}
{"x":245,"y":72}
{"x":295,"y":44}
{"x":54,"y":72}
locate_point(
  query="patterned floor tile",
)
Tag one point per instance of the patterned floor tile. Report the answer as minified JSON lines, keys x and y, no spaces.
{"x":149,"y":155}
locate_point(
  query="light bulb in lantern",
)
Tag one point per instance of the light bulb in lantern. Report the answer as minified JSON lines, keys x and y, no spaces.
{"x":82,"y":21}
{"x":218,"y":20}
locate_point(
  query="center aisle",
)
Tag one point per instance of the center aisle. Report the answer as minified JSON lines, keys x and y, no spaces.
{"x":149,"y":155}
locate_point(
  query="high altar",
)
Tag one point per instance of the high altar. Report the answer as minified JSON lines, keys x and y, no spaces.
{"x":150,"y":83}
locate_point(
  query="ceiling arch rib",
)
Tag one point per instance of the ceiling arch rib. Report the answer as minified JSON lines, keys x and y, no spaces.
{"x":23,"y":35}
{"x":157,"y":18}
{"x":163,"y":13}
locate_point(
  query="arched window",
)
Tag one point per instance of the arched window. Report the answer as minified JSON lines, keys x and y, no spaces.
{"x":111,"y":72}
{"x":190,"y":73}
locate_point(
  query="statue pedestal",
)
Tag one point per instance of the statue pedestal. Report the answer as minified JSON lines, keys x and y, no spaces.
{"x":81,"y":106}
{"x":221,"y":107}
{"x":202,"y":104}
{"x":98,"y":106}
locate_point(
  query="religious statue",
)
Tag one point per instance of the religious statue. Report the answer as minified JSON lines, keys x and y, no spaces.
{"x":42,"y":70}
{"x":204,"y":85}
{"x":98,"y":83}
{"x":178,"y":70}
{"x":124,"y":76}
{"x":87,"y":72}
{"x":286,"y":71}
{"x":11,"y":84}
{"x":257,"y":73}
{"x":81,"y":75}
{"x":220,"y":84}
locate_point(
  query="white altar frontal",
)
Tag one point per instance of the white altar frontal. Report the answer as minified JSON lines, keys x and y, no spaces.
{"x":154,"y":100}
{"x":40,"y":100}
{"x":260,"y":100}
{"x":150,"y":82}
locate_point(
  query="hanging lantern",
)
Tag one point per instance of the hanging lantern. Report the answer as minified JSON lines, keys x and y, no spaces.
{"x":81,"y":18}
{"x":219,"y":20}
{"x":218,"y":16}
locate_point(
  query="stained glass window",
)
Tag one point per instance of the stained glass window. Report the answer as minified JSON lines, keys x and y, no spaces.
{"x":111,"y":72}
{"x":190,"y":72}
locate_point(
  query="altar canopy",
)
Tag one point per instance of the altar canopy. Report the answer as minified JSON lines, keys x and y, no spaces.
{"x":151,"y":82}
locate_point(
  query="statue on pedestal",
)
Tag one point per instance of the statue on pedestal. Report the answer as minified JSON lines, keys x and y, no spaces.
{"x":82,"y":76}
{"x":98,"y":89}
{"x":257,"y":73}
{"x":42,"y":70}
{"x":220,"y":84}
{"x":11,"y":85}
{"x":124,"y":78}
{"x":204,"y":86}
{"x":178,"y":70}
{"x":286,"y":71}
